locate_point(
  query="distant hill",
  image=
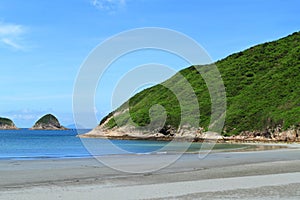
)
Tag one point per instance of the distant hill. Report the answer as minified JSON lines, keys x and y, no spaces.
{"x":48,"y":122}
{"x":6,"y":123}
{"x":262,"y":87}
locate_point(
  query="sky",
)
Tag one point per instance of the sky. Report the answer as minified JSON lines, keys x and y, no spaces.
{"x":44,"y":43}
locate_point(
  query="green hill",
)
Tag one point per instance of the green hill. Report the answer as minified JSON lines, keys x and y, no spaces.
{"x":48,"y":122}
{"x":6,"y":123}
{"x":262,"y":88}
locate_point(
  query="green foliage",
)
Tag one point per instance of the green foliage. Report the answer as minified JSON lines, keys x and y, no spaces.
{"x":48,"y":119}
{"x":5,"y":121}
{"x":111,"y":123}
{"x":262,"y":87}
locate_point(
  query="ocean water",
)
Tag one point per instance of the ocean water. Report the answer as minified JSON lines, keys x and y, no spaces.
{"x":40,"y":144}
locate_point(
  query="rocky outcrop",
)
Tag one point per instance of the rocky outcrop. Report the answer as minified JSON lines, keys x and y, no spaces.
{"x":183,"y":133}
{"x":289,"y":136}
{"x":269,"y":135}
{"x":48,"y":122}
{"x":7,"y":124}
{"x":195,"y":134}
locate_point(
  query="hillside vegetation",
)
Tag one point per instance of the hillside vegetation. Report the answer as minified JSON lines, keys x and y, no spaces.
{"x":262,"y":88}
{"x":48,"y":119}
{"x":6,"y":121}
{"x":48,"y":122}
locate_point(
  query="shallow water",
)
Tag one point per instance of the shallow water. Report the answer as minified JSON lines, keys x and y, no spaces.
{"x":40,"y":144}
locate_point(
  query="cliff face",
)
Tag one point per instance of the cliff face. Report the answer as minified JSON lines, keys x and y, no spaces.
{"x":262,"y":88}
{"x":7,"y":124}
{"x":48,"y":122}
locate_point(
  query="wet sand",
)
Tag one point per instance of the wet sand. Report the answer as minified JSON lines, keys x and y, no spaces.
{"x":268,"y":174}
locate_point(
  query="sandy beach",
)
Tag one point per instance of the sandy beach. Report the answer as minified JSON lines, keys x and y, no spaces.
{"x":270,"y":174}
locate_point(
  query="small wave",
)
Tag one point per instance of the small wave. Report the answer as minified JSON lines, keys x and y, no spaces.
{"x":161,"y":152}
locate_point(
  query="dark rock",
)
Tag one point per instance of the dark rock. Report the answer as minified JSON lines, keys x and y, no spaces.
{"x":266,"y":134}
{"x":167,"y":130}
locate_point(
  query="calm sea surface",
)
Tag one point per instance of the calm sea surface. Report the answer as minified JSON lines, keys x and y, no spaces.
{"x":36,"y":144}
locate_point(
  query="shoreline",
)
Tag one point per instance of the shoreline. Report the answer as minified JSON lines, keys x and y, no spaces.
{"x":89,"y":177}
{"x":224,"y":139}
{"x":248,"y":147}
{"x":221,"y":173}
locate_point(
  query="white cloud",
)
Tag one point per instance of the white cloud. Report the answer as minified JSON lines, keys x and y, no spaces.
{"x":110,"y":6}
{"x":11,"y":29}
{"x":11,"y":35}
{"x":11,"y":43}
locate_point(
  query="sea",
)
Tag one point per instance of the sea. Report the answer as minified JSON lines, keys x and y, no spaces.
{"x":25,"y":144}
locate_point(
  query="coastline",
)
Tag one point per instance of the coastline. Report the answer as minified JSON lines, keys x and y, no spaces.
{"x":9,"y":128}
{"x":222,"y":139}
{"x":88,"y":177}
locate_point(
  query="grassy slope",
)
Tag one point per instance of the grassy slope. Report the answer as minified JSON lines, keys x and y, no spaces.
{"x":262,"y":87}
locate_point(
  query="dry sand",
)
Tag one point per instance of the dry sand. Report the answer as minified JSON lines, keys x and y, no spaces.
{"x":272,"y":174}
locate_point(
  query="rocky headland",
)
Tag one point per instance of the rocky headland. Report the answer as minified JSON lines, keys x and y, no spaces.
{"x":277,"y":135}
{"x":262,"y":100}
{"x":48,"y":122}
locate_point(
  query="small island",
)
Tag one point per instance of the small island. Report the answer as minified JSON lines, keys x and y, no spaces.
{"x":48,"y":122}
{"x":7,"y":124}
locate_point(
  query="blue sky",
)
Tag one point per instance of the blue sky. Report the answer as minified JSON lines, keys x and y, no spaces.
{"x":43,"y":43}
